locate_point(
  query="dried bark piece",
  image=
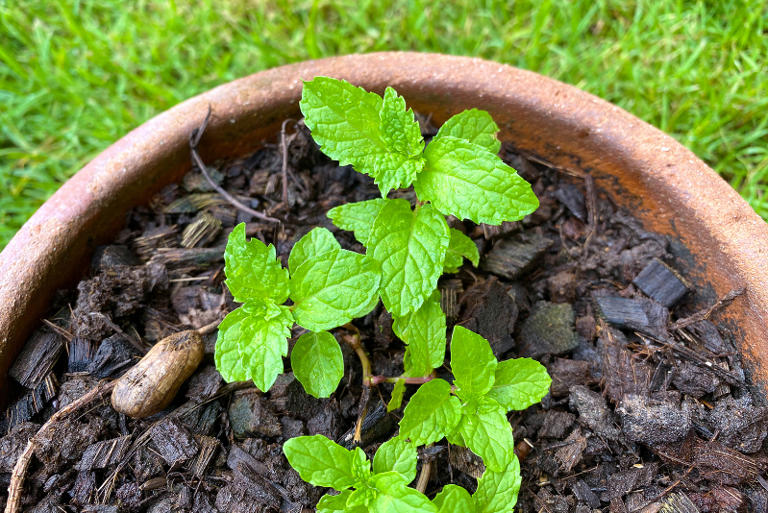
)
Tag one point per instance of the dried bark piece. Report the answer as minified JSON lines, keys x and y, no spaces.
{"x":593,"y":412}
{"x":639,"y":314}
{"x":566,"y":373}
{"x":678,"y":503}
{"x":105,"y":453}
{"x":548,"y":330}
{"x":652,"y":421}
{"x":570,"y":455}
{"x":81,"y":353}
{"x":661,"y":283}
{"x":173,"y":441}
{"x":511,"y":258}
{"x":571,"y":196}
{"x":623,"y":373}
{"x":37,"y":359}
{"x":32,"y":402}
{"x":492,"y":313}
{"x":114,"y":354}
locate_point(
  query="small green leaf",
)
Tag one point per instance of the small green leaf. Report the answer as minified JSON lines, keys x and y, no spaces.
{"x":397,"y":395}
{"x":410,"y":247}
{"x":400,"y":129}
{"x":454,"y":499}
{"x":337,"y":504}
{"x":330,"y":286}
{"x":475,"y":126}
{"x":424,"y":332}
{"x":361,"y":498}
{"x":394,"y":496}
{"x":431,"y":413}
{"x":357,"y":217}
{"x":251,"y":343}
{"x":314,"y":244}
{"x":469,"y":182}
{"x":252,"y":269}
{"x":396,"y":455}
{"x":348,"y":124}
{"x":323,"y":462}
{"x":317,"y":363}
{"x":472,"y":363}
{"x":497,"y":491}
{"x":520,"y":383}
{"x":486,"y":432}
{"x":459,"y":248}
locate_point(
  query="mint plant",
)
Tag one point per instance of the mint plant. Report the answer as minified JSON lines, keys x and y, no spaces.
{"x":407,"y":248}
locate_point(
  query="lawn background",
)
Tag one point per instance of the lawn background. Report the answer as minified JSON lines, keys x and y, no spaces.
{"x":77,"y":75}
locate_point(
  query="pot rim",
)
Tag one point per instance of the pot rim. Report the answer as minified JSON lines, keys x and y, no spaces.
{"x":669,"y":188}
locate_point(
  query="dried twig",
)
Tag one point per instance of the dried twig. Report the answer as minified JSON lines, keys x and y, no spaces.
{"x":706,"y":312}
{"x":194,"y":140}
{"x":22,"y":464}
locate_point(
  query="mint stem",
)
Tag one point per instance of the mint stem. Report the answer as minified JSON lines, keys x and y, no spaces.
{"x":420,"y":380}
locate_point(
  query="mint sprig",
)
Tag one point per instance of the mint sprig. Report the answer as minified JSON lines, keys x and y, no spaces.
{"x":408,"y":246}
{"x":384,"y":489}
{"x":469,"y":412}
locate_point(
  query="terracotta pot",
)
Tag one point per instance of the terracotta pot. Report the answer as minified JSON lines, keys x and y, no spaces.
{"x":665,"y":185}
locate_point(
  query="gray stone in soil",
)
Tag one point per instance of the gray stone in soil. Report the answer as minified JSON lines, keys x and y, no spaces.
{"x":742,"y":425}
{"x":250,"y":416}
{"x":593,"y":411}
{"x":548,"y":330}
{"x":651,"y":421}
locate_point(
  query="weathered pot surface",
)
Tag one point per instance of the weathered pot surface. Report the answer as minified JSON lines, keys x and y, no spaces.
{"x":667,"y":187}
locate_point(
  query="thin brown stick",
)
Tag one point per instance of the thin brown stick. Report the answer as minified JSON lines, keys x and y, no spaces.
{"x":424,"y":475}
{"x":208,"y":328}
{"x":194,"y":139}
{"x":706,"y":312}
{"x":22,"y":464}
{"x":284,"y":167}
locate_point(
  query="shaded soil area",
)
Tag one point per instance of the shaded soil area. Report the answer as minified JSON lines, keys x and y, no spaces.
{"x":649,"y":409}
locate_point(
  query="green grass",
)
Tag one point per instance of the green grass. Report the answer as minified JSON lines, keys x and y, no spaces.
{"x":77,"y":75}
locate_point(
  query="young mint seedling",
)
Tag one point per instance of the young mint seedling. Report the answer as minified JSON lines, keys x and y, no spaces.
{"x":407,"y":248}
{"x":323,"y":462}
{"x":473,"y":412}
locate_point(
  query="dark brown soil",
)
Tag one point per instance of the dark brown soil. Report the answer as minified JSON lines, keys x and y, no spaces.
{"x":646,"y":411}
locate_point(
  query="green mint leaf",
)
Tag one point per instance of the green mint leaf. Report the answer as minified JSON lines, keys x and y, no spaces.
{"x":400,"y":129}
{"x":314,"y":244}
{"x":459,"y":248}
{"x":357,"y":217}
{"x":396,"y":455}
{"x":410,"y":246}
{"x":330,"y":286}
{"x":473,"y":125}
{"x":252,"y":269}
{"x":394,"y":496}
{"x":486,"y":432}
{"x":431,"y":413}
{"x":361,"y":498}
{"x":469,"y":182}
{"x":349,"y":125}
{"x":323,"y":462}
{"x":472,"y":363}
{"x":424,"y":332}
{"x":338,"y":504}
{"x":317,"y":363}
{"x":520,"y":383}
{"x":251,"y":343}
{"x":454,"y":499}
{"x":397,"y":395}
{"x":497,"y":491}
